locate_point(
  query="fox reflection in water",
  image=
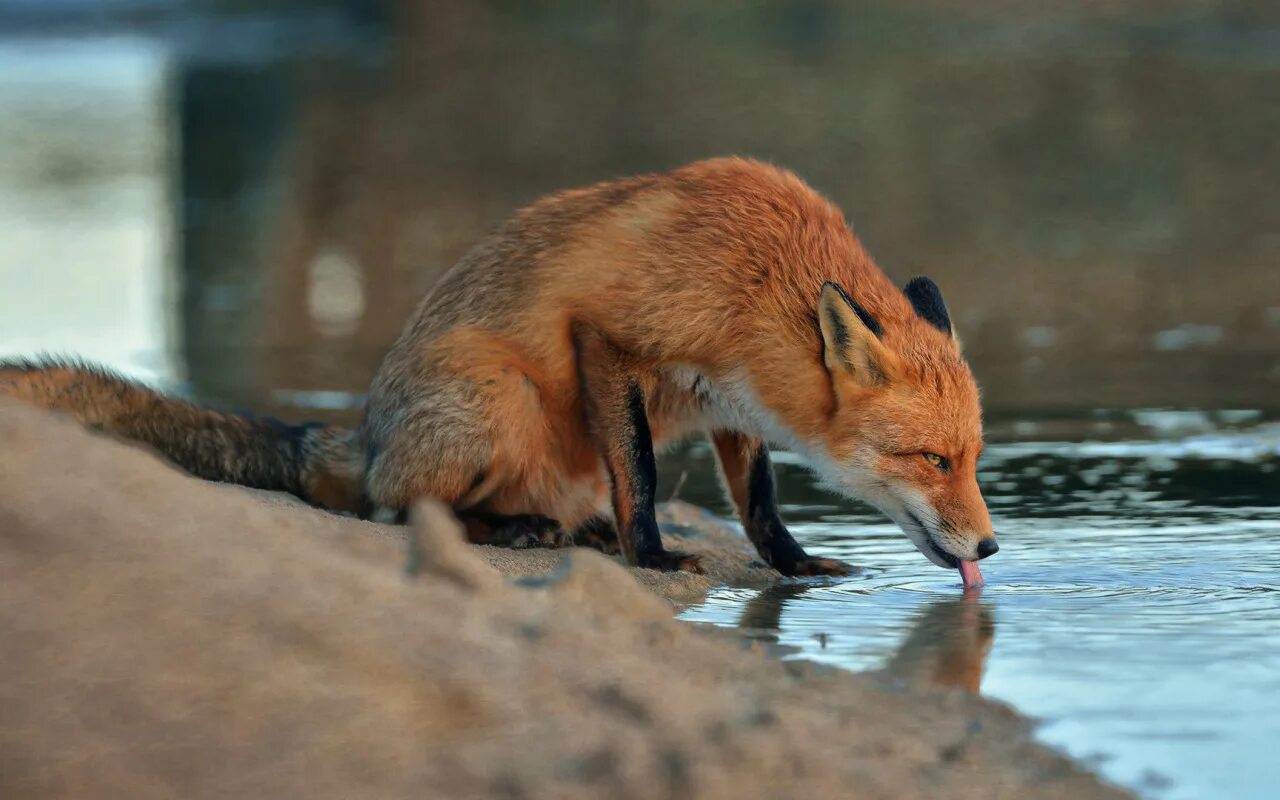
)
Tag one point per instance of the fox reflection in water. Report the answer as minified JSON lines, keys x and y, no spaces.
{"x":947,"y":645}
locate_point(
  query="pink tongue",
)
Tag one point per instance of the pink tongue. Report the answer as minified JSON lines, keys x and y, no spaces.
{"x":970,"y":574}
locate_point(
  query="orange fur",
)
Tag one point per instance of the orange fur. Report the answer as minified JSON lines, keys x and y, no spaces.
{"x":713,"y":270}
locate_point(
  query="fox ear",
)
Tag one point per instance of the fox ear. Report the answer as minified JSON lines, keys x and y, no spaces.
{"x":851,"y":339}
{"x":926,"y":299}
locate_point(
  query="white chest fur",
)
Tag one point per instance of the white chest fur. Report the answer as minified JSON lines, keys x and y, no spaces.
{"x":731,"y":403}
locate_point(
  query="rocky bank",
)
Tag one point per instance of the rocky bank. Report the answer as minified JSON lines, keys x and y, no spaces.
{"x":167,"y":637}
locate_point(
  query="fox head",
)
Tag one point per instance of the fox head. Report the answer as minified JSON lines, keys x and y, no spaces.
{"x":905,"y":432}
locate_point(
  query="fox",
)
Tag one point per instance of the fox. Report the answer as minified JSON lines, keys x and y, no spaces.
{"x":533,"y":385}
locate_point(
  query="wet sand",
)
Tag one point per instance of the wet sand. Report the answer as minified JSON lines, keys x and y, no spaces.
{"x":164,"y":636}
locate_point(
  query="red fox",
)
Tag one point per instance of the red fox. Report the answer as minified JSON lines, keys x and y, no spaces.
{"x":532,"y":385}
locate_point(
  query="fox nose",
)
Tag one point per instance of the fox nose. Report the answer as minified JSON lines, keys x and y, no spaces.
{"x":987,"y":547}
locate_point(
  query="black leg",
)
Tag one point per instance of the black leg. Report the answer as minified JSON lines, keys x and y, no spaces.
{"x":635,"y":480}
{"x":613,"y":403}
{"x":744,"y":460}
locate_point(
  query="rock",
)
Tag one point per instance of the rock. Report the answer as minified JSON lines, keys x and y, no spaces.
{"x":436,"y":544}
{"x":166,"y":637}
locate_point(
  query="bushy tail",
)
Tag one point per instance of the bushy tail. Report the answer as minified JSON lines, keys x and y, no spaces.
{"x":321,"y":464}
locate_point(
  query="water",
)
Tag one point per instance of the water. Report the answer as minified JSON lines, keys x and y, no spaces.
{"x":84,"y":247}
{"x":1134,"y":606}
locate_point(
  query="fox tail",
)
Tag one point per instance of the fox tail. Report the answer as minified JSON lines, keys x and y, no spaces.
{"x":321,"y":464}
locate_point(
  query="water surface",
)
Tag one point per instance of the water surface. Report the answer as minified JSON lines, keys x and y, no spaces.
{"x":1134,"y":605}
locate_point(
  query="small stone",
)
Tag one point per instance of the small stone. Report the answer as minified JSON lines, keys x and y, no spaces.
{"x":436,"y":545}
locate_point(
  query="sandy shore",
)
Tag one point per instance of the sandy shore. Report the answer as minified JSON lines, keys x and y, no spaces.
{"x":168,"y":637}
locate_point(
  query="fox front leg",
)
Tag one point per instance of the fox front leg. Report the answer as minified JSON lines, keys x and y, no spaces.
{"x":619,"y":427}
{"x":744,"y":460}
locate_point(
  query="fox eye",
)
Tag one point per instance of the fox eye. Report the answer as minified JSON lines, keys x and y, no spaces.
{"x":936,"y":460}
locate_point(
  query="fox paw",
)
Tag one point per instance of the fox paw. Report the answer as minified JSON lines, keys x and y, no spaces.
{"x":609,"y":548}
{"x":599,"y":533}
{"x":552,"y":539}
{"x":672,"y":561}
{"x":810,"y":567}
{"x":532,"y":530}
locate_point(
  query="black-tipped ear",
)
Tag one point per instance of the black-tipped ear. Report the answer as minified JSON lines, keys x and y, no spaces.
{"x":926,"y":299}
{"x":871,"y":322}
{"x":851,"y":339}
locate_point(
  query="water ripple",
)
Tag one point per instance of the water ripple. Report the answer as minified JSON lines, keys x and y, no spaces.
{"x":1134,"y":604}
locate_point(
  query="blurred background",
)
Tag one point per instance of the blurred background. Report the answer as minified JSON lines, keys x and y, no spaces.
{"x":244,"y":199}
